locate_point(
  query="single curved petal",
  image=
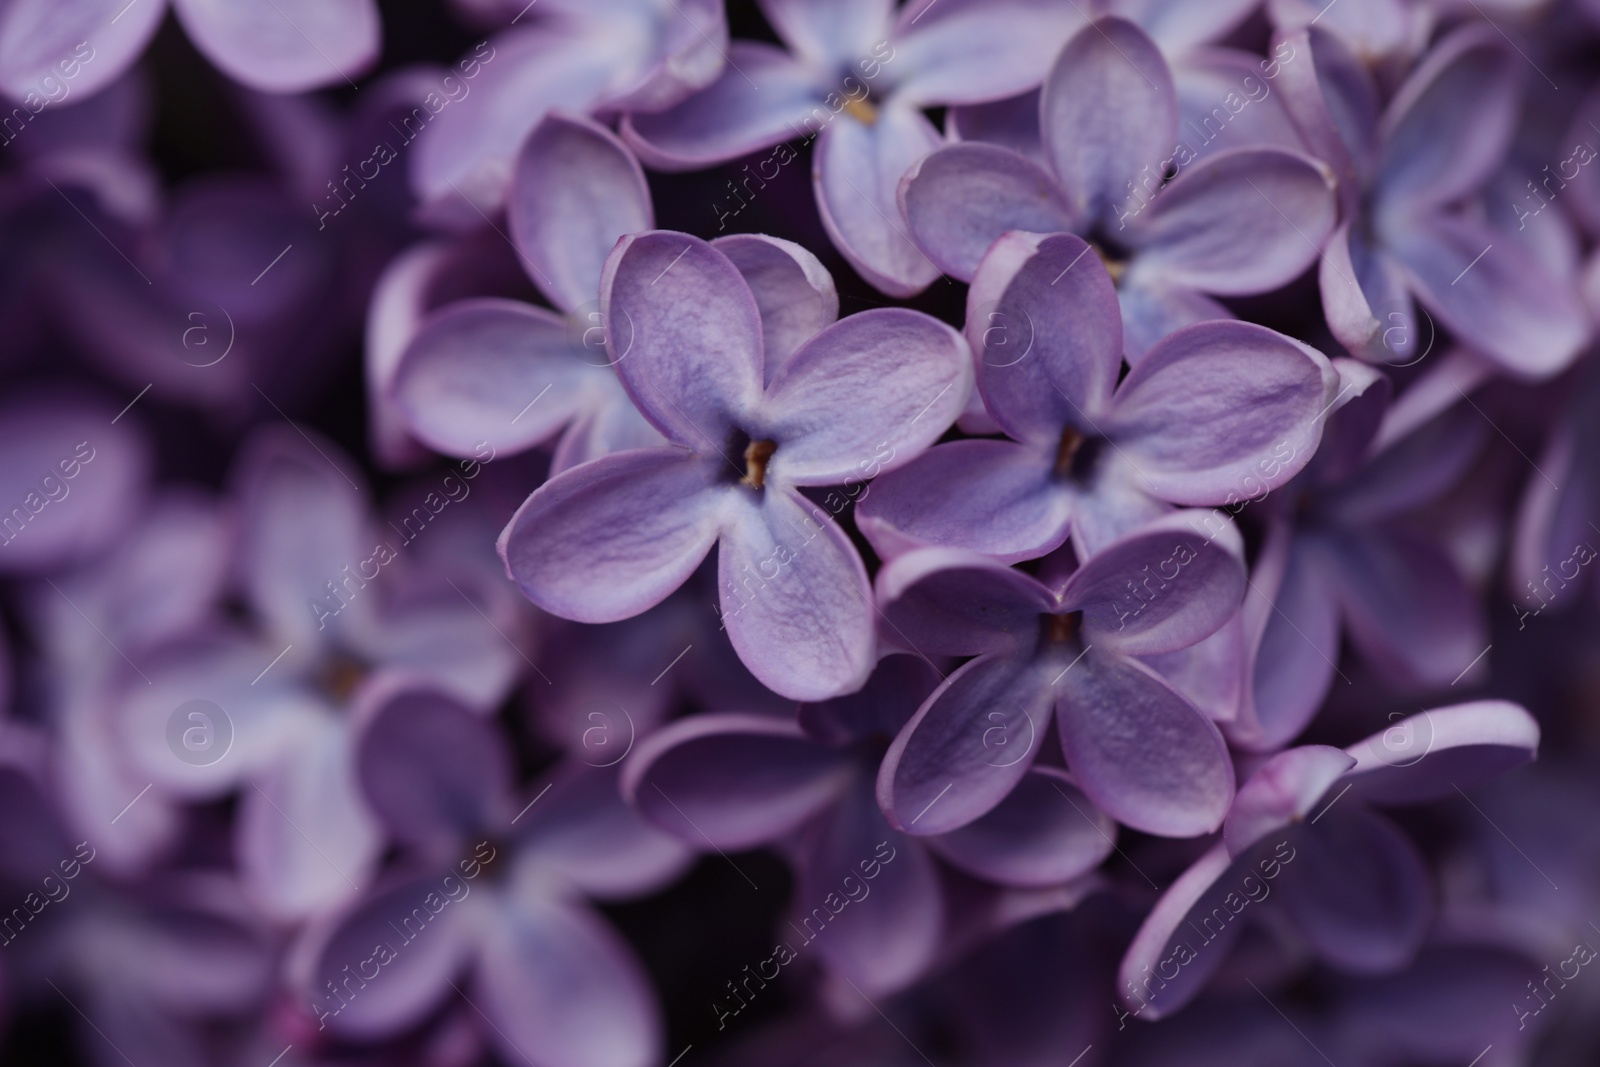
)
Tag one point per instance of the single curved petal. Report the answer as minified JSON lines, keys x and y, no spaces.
{"x":1144,"y":754}
{"x":1282,"y":791}
{"x":1367,"y":302}
{"x":1221,"y":408}
{"x":732,"y":781}
{"x":1010,"y":123}
{"x":284,"y":46}
{"x":1045,"y":832}
{"x":1242,"y":221}
{"x":967,"y":746}
{"x":970,"y":51}
{"x":796,"y":601}
{"x":1334,"y":101}
{"x":831,"y":33}
{"x":763,"y":97}
{"x":1352,"y":429}
{"x":1177,"y":25}
{"x":612,"y":424}
{"x":959,"y":200}
{"x":856,"y":171}
{"x":988,"y":496}
{"x":607,"y":540}
{"x":1227,"y":100}
{"x":575,"y":190}
{"x":1211,"y":672}
{"x":1188,"y":933}
{"x":793,"y":290}
{"x":1152,"y":309}
{"x":898,"y":686}
{"x":85,"y":44}
{"x":491,"y":370}
{"x":1436,"y":753}
{"x":1108,"y":110}
{"x":865,"y":395}
{"x":684,"y":333}
{"x":954,"y":602}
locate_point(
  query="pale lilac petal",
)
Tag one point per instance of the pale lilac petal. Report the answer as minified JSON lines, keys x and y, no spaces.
{"x":969,"y":51}
{"x":684,"y":333}
{"x":1492,"y":292}
{"x":1108,"y":110}
{"x":284,"y":46}
{"x":1436,"y":753}
{"x":1358,"y":890}
{"x":560,"y":986}
{"x":1226,"y":100}
{"x":1151,"y":310}
{"x":831,"y":33}
{"x":914,"y":373}
{"x":1219,"y":408}
{"x":1334,"y":100}
{"x":609,"y":539}
{"x":1169,"y":934}
{"x":881,"y":933}
{"x":988,"y":496}
{"x":732,"y":781}
{"x":575,"y":190}
{"x":960,"y":199}
{"x":1165,"y":586}
{"x":1352,"y":428}
{"x":967,"y":747}
{"x":1552,"y":526}
{"x":1242,"y":221}
{"x":898,"y":686}
{"x":1177,"y":25}
{"x":1285,"y":790}
{"x":953,"y":602}
{"x":857,"y":170}
{"x":796,"y":601}
{"x":84,"y":44}
{"x":1045,"y":832}
{"x":1044,"y":324}
{"x":793,"y":290}
{"x":491,"y":371}
{"x":1211,"y":673}
{"x":1367,"y":302}
{"x":683,"y":52}
{"x":613,"y":424}
{"x":763,"y":97}
{"x":1144,"y":754}
{"x":1011,"y":123}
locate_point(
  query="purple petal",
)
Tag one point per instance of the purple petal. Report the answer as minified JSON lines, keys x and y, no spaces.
{"x":1170,"y":938}
{"x":1177,"y":580}
{"x":607,"y":540}
{"x":613,"y":424}
{"x":284,"y":46}
{"x":794,"y":291}
{"x":1108,"y":109}
{"x":1283,"y":791}
{"x":1437,"y":753}
{"x":1010,"y":123}
{"x":1242,"y":221}
{"x":1151,"y":310}
{"x":865,"y":395}
{"x":575,"y":191}
{"x":1363,"y":399}
{"x":959,"y":200}
{"x":684,"y":333}
{"x":1177,"y":25}
{"x":967,"y":747}
{"x":830,"y":33}
{"x":732,"y":781}
{"x":954,"y":602}
{"x":806,"y":628}
{"x":491,"y":371}
{"x":763,"y":97}
{"x":1221,"y":408}
{"x":857,"y":170}
{"x":1144,"y":754}
{"x":45,"y":42}
{"x":1045,"y":832}
{"x":898,"y":686}
{"x":1211,"y":672}
{"x":969,"y":51}
{"x":1367,"y":303}
{"x":1333,"y":99}
{"x":987,"y":496}
{"x":1218,"y":103}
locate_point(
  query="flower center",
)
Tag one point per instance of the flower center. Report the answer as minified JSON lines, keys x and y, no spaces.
{"x":861,"y":110}
{"x":339,"y":676}
{"x":1067,"y":450}
{"x":1059,"y":629}
{"x":756,"y":455}
{"x":1114,"y":266}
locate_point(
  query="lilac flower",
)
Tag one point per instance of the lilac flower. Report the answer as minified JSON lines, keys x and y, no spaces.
{"x":1136,"y":746}
{"x":1337,"y":556}
{"x":278,"y":46}
{"x":1211,"y":414}
{"x":1348,"y":881}
{"x":1242,"y":221}
{"x":487,"y":896}
{"x":573,"y":55}
{"x":748,"y":426}
{"x":333,"y":612}
{"x":1402,"y":174}
{"x":856,"y":78}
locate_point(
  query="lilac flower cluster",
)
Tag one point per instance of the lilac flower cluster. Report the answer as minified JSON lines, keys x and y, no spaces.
{"x":499,"y":566}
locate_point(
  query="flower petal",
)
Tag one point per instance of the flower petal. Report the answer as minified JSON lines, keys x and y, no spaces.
{"x":1367,"y":303}
{"x":284,"y":46}
{"x":607,"y":540}
{"x":495,"y":371}
{"x":954,"y":602}
{"x":1436,"y":753}
{"x":830,"y":33}
{"x":970,"y":51}
{"x":1177,"y":25}
{"x":867,"y":394}
{"x":1282,"y":792}
{"x":575,"y":190}
{"x":1151,"y":310}
{"x":857,"y":170}
{"x":42,"y":39}
{"x":806,"y":629}
{"x":959,"y":200}
{"x":684,"y":333}
{"x":1169,"y":936}
{"x":1108,"y":109}
{"x":967,"y":746}
{"x":1044,"y":833}
{"x":732,"y":781}
{"x":793,"y":290}
{"x":1221,"y":408}
{"x":1144,"y":754}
